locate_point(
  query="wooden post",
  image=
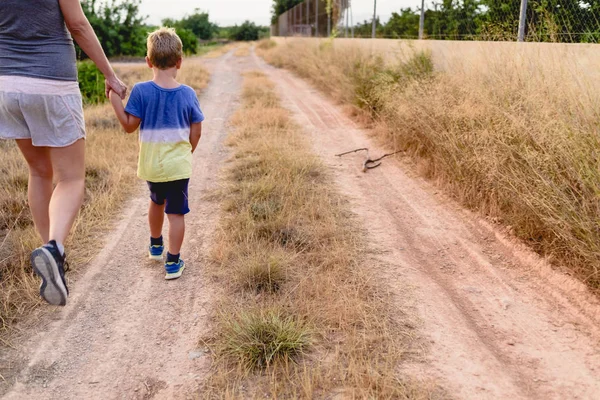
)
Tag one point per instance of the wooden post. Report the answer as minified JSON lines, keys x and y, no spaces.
{"x":374,"y":20}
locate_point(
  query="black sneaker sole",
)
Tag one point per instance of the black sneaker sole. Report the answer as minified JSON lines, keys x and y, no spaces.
{"x":53,"y":290}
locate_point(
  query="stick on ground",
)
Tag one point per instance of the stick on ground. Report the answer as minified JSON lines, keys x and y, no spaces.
{"x":369,"y":164}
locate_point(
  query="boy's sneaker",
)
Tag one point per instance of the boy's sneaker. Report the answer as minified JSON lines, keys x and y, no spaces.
{"x":174,"y":270}
{"x":156,"y":252}
{"x":49,"y":264}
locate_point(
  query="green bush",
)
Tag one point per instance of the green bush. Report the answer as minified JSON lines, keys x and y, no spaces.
{"x":189,"y":40}
{"x":91,"y":83}
{"x":248,"y":31}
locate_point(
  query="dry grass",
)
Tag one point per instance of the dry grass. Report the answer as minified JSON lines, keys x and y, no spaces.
{"x":222,"y":50}
{"x":266,"y":44}
{"x":300,"y":315}
{"x":512,"y":136}
{"x":243,"y":49}
{"x":110,"y":179}
{"x":204,"y":50}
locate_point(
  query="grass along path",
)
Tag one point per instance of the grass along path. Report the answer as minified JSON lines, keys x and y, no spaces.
{"x":514,"y":138}
{"x":497,"y":320}
{"x":300,"y":315}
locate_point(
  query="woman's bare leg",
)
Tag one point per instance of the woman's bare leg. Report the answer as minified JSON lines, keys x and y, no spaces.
{"x":68,"y":164}
{"x":40,"y":185}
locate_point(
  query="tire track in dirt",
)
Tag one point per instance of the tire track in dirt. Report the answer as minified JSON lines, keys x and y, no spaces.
{"x":126,"y":332}
{"x":498,"y":321}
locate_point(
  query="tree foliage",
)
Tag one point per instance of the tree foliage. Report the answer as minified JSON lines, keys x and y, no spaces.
{"x":406,"y":23}
{"x":248,"y":31}
{"x":547,"y":20}
{"x":198,"y":22}
{"x":188,"y":39}
{"x":118,"y":25}
{"x":281,"y":6}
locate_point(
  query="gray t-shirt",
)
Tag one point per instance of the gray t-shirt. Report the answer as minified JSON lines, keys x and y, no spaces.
{"x":34,"y":41}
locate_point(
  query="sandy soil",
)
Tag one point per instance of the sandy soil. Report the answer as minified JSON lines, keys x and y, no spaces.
{"x":126,"y":332}
{"x":499,"y":322}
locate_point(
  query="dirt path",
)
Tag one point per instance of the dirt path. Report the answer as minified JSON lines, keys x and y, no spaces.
{"x":499,"y":323}
{"x":126,"y":332}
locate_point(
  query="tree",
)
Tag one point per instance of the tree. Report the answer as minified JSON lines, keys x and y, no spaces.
{"x":118,"y":25}
{"x":365,"y":29}
{"x":403,"y":25}
{"x":453,"y":19}
{"x":281,"y":6}
{"x":199,"y":23}
{"x":246,"y":32}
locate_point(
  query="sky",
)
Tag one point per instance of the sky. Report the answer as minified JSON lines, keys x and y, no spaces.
{"x":230,"y":12}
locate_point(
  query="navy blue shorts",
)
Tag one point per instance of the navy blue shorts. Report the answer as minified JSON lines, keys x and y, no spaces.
{"x":174,"y":193}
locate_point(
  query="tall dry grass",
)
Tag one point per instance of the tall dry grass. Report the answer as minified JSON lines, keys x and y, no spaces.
{"x":516,"y":137}
{"x":300,"y":315}
{"x":111,"y":158}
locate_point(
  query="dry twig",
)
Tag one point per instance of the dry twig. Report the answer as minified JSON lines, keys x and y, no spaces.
{"x":369,"y":163}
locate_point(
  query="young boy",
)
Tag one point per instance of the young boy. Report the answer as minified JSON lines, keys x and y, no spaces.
{"x":171,"y":126}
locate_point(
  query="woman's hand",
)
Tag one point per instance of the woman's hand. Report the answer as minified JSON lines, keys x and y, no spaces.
{"x":113,"y":83}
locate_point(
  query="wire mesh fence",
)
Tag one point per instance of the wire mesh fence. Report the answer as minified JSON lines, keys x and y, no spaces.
{"x":571,"y":21}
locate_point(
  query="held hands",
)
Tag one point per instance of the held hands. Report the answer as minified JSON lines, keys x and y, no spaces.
{"x":114,"y":84}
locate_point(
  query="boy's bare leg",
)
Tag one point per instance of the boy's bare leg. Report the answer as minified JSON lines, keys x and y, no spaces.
{"x":40,"y":185}
{"x":176,"y":232}
{"x":156,"y":219}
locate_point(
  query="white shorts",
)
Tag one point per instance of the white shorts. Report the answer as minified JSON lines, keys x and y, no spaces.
{"x":48,"y":112}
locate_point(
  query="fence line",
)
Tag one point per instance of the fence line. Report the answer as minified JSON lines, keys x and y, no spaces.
{"x":511,"y":20}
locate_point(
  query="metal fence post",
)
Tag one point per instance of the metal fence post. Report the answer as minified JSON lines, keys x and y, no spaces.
{"x":374,"y":20}
{"x":328,"y":21}
{"x":522,"y":21}
{"x":352,"y":19}
{"x":422,"y":21}
{"x":316,"y":18}
{"x":308,"y":18}
{"x":300,"y":19}
{"x":346,"y":29}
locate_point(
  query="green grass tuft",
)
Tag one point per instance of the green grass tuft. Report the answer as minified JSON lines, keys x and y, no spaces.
{"x":257,"y":339}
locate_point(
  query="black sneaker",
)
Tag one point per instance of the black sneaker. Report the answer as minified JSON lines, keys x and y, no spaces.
{"x":48,"y":263}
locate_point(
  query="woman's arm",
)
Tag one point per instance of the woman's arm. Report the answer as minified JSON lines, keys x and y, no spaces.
{"x":84,"y":35}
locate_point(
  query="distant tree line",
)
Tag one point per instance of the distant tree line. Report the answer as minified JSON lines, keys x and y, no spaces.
{"x":547,"y":20}
{"x":122,"y":30}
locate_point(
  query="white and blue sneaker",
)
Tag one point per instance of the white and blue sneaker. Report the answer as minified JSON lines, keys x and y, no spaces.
{"x":174,"y":270}
{"x":156,"y":252}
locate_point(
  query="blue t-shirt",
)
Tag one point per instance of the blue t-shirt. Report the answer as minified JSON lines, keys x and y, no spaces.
{"x":166,"y":117}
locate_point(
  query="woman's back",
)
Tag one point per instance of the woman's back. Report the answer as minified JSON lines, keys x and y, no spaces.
{"x":34,"y":40}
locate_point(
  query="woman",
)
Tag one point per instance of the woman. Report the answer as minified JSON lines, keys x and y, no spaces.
{"x":41,"y":108}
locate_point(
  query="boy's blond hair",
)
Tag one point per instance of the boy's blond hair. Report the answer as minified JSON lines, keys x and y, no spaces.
{"x":164,"y":48}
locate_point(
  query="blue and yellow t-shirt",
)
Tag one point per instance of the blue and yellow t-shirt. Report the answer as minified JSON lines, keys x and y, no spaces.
{"x":167,"y":115}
